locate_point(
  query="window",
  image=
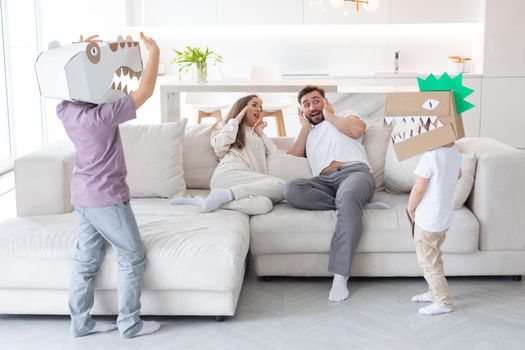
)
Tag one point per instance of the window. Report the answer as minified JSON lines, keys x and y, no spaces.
{"x":5,"y":138}
{"x":27,"y":121}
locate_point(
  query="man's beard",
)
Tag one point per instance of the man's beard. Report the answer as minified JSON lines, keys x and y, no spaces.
{"x":317,"y":120}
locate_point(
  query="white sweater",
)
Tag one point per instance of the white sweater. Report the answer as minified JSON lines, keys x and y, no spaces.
{"x":253,"y":156}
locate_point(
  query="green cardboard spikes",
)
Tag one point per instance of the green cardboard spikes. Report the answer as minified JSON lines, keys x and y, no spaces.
{"x":446,"y":83}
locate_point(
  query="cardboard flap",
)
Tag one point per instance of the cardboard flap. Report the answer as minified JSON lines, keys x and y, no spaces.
{"x":402,"y":103}
{"x":423,"y":143}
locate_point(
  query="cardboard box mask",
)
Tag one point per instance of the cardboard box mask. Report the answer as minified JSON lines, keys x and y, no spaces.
{"x":422,"y":121}
{"x":95,"y":72}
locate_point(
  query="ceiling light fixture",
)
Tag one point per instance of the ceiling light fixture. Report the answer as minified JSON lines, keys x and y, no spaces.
{"x":368,"y":5}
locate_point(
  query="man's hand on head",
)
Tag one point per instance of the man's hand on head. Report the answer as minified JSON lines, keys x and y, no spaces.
{"x":305,"y":123}
{"x":328,"y":110}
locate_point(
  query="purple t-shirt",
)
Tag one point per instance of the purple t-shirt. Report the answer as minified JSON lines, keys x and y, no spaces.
{"x":99,"y":174}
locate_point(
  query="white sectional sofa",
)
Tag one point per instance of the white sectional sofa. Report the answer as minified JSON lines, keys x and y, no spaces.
{"x":195,"y":262}
{"x":486,"y":238}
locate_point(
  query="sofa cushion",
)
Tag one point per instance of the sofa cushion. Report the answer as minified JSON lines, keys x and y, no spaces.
{"x":153,"y":156}
{"x":184,"y":249}
{"x":466,"y":181}
{"x":290,"y":230}
{"x":400,"y":178}
{"x":376,"y":140}
{"x":288,"y":167}
{"x":199,"y":158}
{"x":399,"y":175}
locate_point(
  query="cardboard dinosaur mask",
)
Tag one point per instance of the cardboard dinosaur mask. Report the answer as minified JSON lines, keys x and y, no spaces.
{"x":422,"y":121}
{"x":95,"y":72}
{"x":426,"y":120}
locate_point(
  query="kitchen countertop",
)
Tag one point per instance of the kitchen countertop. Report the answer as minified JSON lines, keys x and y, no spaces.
{"x":377,"y":75}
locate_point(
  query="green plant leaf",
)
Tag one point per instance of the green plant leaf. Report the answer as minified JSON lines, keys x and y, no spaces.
{"x":194,"y":56}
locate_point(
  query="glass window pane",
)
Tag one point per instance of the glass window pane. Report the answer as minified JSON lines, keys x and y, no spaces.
{"x":5,"y":148}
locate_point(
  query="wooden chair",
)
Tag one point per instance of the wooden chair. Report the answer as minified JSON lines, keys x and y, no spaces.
{"x":273,"y":103}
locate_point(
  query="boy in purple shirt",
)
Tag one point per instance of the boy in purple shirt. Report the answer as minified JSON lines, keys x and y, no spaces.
{"x":101,"y":198}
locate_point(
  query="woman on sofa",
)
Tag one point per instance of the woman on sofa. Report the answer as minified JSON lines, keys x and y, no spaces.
{"x":241,"y":181}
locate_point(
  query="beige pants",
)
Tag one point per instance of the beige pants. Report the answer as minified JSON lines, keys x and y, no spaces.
{"x":246,"y":183}
{"x":429,"y":259}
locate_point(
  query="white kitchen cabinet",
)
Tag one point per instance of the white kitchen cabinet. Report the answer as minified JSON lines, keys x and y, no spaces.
{"x":472,"y":117}
{"x":502,"y":114}
{"x":320,"y":12}
{"x":432,"y":11}
{"x":504,"y":43}
{"x":179,"y":12}
{"x":307,"y":12}
{"x":257,"y":12}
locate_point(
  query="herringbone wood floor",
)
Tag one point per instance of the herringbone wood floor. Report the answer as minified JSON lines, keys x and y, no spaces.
{"x":294,"y":313}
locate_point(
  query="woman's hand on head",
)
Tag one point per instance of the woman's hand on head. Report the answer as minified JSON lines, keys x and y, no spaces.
{"x":241,"y":114}
{"x":259,"y":127}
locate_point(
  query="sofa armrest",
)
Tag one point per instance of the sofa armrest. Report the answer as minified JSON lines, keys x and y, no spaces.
{"x":498,"y":194}
{"x":43,"y":180}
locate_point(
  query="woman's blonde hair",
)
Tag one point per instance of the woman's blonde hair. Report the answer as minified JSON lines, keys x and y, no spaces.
{"x":240,"y":139}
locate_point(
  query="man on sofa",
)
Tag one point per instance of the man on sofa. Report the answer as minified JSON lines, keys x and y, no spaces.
{"x":342,"y":178}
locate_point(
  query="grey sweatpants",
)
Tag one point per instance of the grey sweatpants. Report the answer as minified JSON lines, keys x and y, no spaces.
{"x":345,"y":189}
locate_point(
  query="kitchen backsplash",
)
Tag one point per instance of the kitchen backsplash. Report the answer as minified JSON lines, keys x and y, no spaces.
{"x":359,"y":49}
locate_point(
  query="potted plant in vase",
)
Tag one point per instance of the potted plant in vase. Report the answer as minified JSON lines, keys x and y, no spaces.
{"x":198,"y":57}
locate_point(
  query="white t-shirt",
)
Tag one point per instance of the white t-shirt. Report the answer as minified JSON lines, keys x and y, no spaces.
{"x":435,"y":212}
{"x":325,"y":144}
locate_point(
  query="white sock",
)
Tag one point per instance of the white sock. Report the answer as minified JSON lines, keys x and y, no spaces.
{"x":376,"y":205}
{"x":148,"y":327}
{"x":434,"y":309}
{"x":198,"y":201}
{"x":102,"y":327}
{"x":339,"y":291}
{"x":216,"y":198}
{"x":421,"y":298}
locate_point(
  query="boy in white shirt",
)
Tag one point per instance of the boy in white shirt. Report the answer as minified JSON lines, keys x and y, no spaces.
{"x":431,"y":208}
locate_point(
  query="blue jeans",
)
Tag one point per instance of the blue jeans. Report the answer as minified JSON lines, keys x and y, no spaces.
{"x":116,"y":225}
